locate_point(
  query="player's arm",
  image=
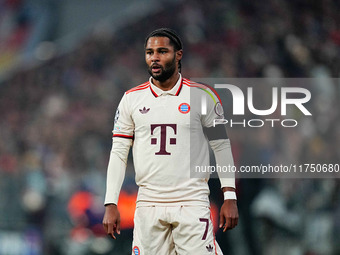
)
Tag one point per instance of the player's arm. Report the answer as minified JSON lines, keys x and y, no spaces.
{"x":220,"y":144}
{"x":229,"y":212}
{"x":223,"y":155}
{"x":121,"y":143}
{"x":115,"y":177}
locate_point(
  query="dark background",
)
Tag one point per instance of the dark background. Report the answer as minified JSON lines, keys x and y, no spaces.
{"x":64,"y":65}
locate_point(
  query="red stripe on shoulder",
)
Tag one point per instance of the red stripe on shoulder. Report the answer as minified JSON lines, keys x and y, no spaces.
{"x":202,"y":86}
{"x":186,"y":81}
{"x":194,"y":84}
{"x":139,"y":87}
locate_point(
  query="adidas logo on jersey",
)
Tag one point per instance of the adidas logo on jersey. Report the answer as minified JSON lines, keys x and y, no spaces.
{"x":209,"y":248}
{"x":144,"y":110}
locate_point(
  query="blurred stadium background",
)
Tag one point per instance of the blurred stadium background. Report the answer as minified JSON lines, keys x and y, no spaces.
{"x":64,"y":66}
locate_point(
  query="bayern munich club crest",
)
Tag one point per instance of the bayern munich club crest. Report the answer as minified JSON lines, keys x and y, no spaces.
{"x":184,"y":108}
{"x":136,"y":250}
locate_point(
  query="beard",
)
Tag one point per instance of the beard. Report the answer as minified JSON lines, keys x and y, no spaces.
{"x":166,"y":72}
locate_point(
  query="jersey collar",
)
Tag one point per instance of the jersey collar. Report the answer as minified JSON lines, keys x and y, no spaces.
{"x":174,"y":91}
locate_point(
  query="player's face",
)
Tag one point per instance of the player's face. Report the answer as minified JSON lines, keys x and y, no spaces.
{"x":161,"y":58}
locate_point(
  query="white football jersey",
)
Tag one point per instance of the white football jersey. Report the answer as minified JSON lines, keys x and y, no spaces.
{"x":166,"y":128}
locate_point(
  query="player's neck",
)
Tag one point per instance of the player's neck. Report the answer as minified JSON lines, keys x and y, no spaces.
{"x":168,"y":84}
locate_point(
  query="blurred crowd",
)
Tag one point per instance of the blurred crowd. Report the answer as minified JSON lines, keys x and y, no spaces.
{"x":56,"y":122}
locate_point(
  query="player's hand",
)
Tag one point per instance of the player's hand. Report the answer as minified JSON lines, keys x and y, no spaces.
{"x":228,"y":214}
{"x":111,"y":220}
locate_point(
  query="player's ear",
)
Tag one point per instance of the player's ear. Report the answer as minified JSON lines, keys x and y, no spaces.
{"x":179,"y":55}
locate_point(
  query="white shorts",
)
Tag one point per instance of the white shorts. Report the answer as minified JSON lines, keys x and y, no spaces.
{"x":170,"y":230}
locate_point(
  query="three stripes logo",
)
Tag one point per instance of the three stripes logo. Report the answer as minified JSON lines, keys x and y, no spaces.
{"x":144,"y":110}
{"x":209,"y":248}
{"x":184,"y":108}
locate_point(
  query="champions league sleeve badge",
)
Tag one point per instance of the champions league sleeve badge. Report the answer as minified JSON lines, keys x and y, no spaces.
{"x":219,"y":109}
{"x":116,"y":116}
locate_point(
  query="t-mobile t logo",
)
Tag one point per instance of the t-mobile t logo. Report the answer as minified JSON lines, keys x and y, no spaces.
{"x":163,"y":127}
